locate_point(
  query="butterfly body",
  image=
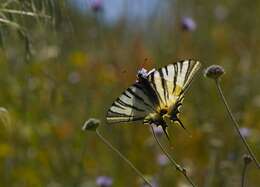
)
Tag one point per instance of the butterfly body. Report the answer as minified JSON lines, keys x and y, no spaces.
{"x":156,"y":97}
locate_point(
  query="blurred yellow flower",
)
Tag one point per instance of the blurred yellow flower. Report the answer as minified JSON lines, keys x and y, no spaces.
{"x":5,"y":150}
{"x":79,"y":58}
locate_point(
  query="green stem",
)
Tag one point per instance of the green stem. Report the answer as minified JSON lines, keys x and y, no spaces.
{"x":212,"y":168}
{"x":236,"y":126}
{"x":25,"y":13}
{"x":243,"y":181}
{"x":174,"y":163}
{"x":123,"y":158}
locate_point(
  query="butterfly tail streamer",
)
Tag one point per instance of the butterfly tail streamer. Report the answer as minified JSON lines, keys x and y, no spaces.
{"x":166,"y":132}
{"x":181,"y":124}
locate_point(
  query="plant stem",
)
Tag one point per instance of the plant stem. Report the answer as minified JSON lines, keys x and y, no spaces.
{"x":236,"y":126}
{"x":25,"y":13}
{"x":212,"y":169}
{"x":243,"y":181}
{"x":123,"y":158}
{"x":174,"y":163}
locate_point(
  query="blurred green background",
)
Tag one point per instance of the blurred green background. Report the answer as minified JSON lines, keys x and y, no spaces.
{"x":62,"y":62}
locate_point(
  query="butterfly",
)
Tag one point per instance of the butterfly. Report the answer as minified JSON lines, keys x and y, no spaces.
{"x":156,"y":97}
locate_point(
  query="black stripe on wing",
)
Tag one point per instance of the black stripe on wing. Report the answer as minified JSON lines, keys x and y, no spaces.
{"x":172,"y":80}
{"x":140,"y":98}
{"x":175,"y":77}
{"x":183,"y":70}
{"x":144,"y":85}
{"x":164,"y":84}
{"x":134,"y":104}
{"x":154,"y":87}
{"x":193,"y":67}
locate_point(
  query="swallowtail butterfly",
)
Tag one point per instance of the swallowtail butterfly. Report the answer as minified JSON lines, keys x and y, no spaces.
{"x":156,"y":96}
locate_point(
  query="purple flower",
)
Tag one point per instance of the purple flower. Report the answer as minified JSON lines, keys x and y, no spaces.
{"x":214,"y":71}
{"x":143,"y":73}
{"x":245,"y":132}
{"x":104,"y":181}
{"x":158,"y":130}
{"x":162,"y":160}
{"x":188,"y":24}
{"x":96,"y":5}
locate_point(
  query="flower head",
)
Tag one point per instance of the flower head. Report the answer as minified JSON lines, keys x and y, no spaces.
{"x":162,"y":160}
{"x":91,"y":124}
{"x":214,"y":71}
{"x":104,"y":181}
{"x":96,"y":5}
{"x":188,"y":24}
{"x":143,"y":74}
{"x":247,"y":159}
{"x":245,"y":132}
{"x":158,"y":130}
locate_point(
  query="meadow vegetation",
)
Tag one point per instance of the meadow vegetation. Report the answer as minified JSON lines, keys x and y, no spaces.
{"x":60,"y":66}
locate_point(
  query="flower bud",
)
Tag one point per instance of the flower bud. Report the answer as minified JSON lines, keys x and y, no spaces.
{"x":214,"y":71}
{"x":247,"y":159}
{"x":91,"y":124}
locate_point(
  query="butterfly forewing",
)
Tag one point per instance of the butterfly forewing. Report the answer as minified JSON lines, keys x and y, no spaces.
{"x":134,"y":104}
{"x":171,"y":81}
{"x":192,"y":68}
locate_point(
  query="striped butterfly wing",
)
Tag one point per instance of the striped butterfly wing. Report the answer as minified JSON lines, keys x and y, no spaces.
{"x":161,"y":89}
{"x":134,"y":104}
{"x":171,"y":82}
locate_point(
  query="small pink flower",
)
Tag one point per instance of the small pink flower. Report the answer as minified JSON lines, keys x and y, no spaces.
{"x":162,"y":160}
{"x":104,"y":181}
{"x":96,"y":5}
{"x":158,"y":130}
{"x":188,"y":24}
{"x":143,"y":73}
{"x":245,"y":132}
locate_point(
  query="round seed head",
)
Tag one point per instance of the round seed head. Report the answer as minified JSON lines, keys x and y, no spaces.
{"x":214,"y":71}
{"x":247,"y":159}
{"x":91,"y":124}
